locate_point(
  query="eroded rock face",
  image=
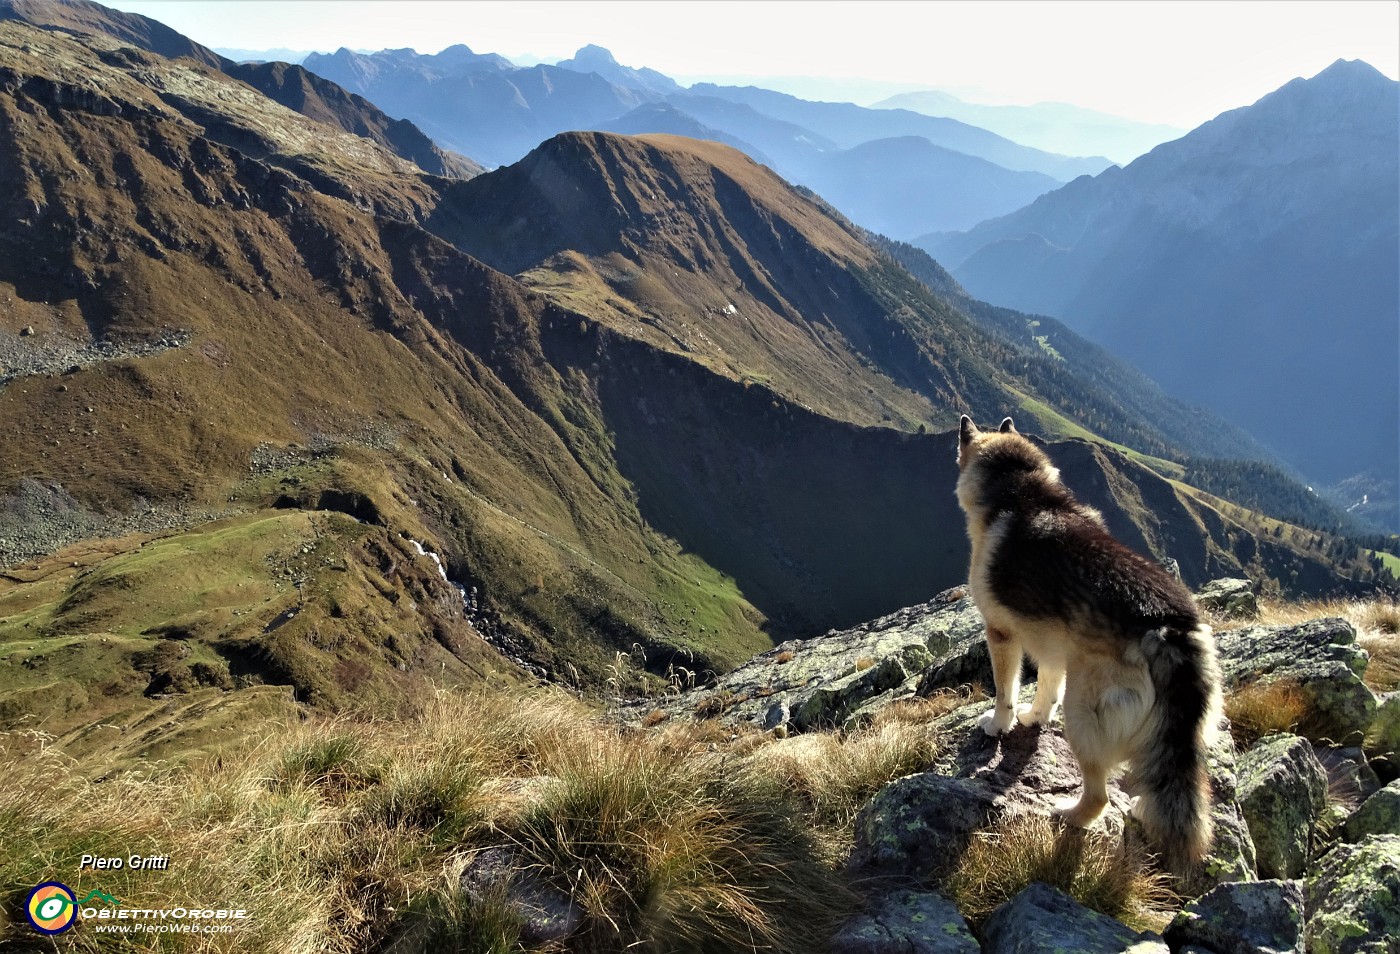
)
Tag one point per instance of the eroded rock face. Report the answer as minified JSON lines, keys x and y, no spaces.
{"x":1041,"y":920}
{"x":1353,"y":898}
{"x":1230,"y":598}
{"x":1321,"y":658}
{"x":1243,"y":917}
{"x":906,"y":922}
{"x":1282,"y":792}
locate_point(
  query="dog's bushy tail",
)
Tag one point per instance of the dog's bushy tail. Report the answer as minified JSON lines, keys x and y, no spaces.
{"x":1174,"y":798}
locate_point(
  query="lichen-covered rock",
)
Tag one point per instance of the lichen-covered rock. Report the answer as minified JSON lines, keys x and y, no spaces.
{"x":546,"y":913}
{"x":1041,"y":920}
{"x":906,"y":922}
{"x":1229,"y":598}
{"x":1382,"y":743}
{"x":1353,"y":898}
{"x":1243,"y":917}
{"x":1231,"y":856}
{"x":917,"y":826}
{"x":1321,"y":658}
{"x":827,"y":680}
{"x":1282,"y":792}
{"x":1378,"y":815}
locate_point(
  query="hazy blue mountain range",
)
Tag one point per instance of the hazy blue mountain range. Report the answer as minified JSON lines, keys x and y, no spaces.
{"x":849,"y":125}
{"x":1054,"y":127}
{"x":277,"y":55}
{"x":1250,"y":266}
{"x":894,"y":171}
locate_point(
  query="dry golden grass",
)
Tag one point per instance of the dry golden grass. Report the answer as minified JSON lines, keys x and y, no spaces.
{"x":1261,"y":709}
{"x":344,"y":835}
{"x":1097,"y":870}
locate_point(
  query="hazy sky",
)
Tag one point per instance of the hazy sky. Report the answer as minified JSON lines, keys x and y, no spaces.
{"x":1162,"y":61}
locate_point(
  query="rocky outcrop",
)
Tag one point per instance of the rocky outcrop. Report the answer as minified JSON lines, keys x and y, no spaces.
{"x":838,"y":679}
{"x":1233,"y":598}
{"x":1353,"y":898}
{"x":1041,"y":920}
{"x":1282,"y":791}
{"x":1245,"y":917}
{"x":1321,"y":658}
{"x":1382,"y":741}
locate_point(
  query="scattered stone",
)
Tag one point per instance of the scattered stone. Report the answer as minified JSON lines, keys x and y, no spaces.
{"x":906,"y":922}
{"x":1378,"y":815}
{"x":547,"y":914}
{"x":1243,"y":917}
{"x":1233,"y":598}
{"x":27,"y":331}
{"x":1042,"y":920}
{"x":1282,"y":792}
{"x":1353,"y":899}
{"x":1321,"y":658}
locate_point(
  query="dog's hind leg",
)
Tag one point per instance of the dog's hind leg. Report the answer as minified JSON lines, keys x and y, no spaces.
{"x":1091,"y":803}
{"x":1006,"y":673}
{"x":1049,"y":687}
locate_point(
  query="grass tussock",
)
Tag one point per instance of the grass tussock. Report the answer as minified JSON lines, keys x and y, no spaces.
{"x":1261,"y":709}
{"x":1097,"y":870}
{"x":344,"y":835}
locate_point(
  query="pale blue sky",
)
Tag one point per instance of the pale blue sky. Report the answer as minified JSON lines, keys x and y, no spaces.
{"x":1153,"y":60}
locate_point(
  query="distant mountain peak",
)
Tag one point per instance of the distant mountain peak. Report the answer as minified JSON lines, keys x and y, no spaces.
{"x":596,"y":59}
{"x":593,"y":54}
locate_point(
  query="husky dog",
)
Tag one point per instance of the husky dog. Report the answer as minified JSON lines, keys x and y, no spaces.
{"x":1111,"y":632}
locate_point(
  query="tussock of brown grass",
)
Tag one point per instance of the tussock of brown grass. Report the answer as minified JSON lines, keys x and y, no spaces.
{"x":349,"y":835}
{"x":1095,"y":869}
{"x":1261,"y":709}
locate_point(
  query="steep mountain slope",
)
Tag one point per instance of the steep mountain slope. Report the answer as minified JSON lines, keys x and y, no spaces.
{"x":849,"y":125}
{"x":291,"y":86}
{"x":214,"y":309}
{"x":665,"y":118}
{"x":1054,"y":127}
{"x":1250,"y":265}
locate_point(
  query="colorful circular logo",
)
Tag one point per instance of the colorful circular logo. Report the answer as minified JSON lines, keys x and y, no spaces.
{"x":51,"y":908}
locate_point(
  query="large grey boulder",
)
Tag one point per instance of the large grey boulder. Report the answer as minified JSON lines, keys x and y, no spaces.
{"x":906,"y":922}
{"x":1229,"y":598}
{"x":1041,"y":920}
{"x":1378,"y":815}
{"x":1353,"y":899}
{"x":1321,"y":658}
{"x":825,"y":681}
{"x":1243,"y":917}
{"x":1282,"y":792}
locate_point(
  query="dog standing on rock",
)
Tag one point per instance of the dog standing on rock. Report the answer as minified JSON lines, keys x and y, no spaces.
{"x":1111,"y":632}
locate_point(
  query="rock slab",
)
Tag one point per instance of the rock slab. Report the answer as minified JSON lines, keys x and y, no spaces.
{"x":1282,"y":792}
{"x":1353,"y":899}
{"x":906,"y":922}
{"x":1041,"y":920}
{"x":1243,"y":917}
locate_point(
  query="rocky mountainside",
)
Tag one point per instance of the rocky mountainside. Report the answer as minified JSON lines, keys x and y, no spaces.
{"x":629,"y":395}
{"x":291,"y":86}
{"x":1255,"y":253}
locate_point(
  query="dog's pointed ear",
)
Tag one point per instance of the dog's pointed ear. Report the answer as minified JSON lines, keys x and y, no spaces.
{"x":1006,"y":426}
{"x":966,"y":430}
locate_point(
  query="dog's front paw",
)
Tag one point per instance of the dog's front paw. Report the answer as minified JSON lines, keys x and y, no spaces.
{"x":1030,"y":715}
{"x":997,"y":721}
